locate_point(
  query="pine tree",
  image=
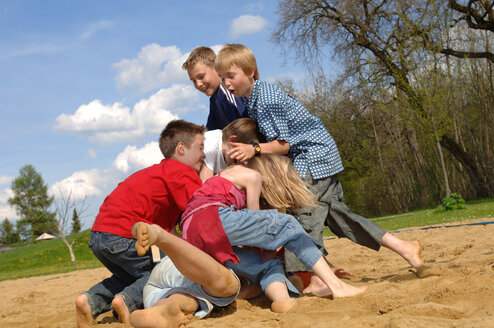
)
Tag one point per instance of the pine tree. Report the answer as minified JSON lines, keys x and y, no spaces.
{"x":76,"y":223}
{"x":32,"y":204}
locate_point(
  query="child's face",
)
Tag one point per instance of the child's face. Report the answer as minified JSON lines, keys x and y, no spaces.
{"x":205,"y":78}
{"x":193,"y":156}
{"x":237,"y":82}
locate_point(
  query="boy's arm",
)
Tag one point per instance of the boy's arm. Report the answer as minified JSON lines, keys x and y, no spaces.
{"x":243,"y":152}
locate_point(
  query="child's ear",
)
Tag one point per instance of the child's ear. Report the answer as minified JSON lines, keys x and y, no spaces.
{"x":233,"y":138}
{"x":179,"y":150}
{"x":251,"y":74}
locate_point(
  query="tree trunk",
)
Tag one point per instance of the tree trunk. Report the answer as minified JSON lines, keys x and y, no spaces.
{"x":69,"y":246}
{"x":447,"y":188}
{"x":468,"y":163}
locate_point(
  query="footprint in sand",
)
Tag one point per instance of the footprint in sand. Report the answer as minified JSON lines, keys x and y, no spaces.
{"x":428,"y":271}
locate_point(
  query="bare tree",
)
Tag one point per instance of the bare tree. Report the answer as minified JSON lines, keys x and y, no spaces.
{"x":382,"y":42}
{"x":65,"y":206}
{"x":478,"y":14}
{"x":464,"y":21}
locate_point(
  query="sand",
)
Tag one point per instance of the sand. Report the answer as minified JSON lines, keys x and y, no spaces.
{"x":459,"y":292}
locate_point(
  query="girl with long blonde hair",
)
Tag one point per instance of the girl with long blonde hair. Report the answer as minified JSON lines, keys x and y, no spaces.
{"x":224,"y":216}
{"x":281,"y":187}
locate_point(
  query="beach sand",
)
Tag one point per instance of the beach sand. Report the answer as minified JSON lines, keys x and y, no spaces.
{"x":458,"y":291}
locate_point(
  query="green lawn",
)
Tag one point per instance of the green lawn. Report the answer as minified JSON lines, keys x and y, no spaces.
{"x":433,"y":216}
{"x":47,"y":257}
{"x":52,"y":256}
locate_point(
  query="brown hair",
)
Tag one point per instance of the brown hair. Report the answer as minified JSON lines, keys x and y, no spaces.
{"x":282,"y":187}
{"x":178,"y":131}
{"x":245,"y":129}
{"x":238,"y":55}
{"x":202,"y":55}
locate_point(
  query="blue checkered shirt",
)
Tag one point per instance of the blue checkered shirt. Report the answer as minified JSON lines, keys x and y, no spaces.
{"x":282,"y":117}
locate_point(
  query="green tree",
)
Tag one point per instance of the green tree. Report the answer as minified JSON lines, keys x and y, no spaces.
{"x":76,"y":223}
{"x":8,"y":235}
{"x":32,"y":203}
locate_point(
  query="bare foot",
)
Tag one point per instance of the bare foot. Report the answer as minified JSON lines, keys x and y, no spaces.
{"x":349,"y":290}
{"x":83,"y":312}
{"x":319,"y":291}
{"x":343,"y":290}
{"x":413,"y":255}
{"x":409,"y":250}
{"x":283,"y":306}
{"x":317,"y":287}
{"x":172,"y":312}
{"x":118,"y":304}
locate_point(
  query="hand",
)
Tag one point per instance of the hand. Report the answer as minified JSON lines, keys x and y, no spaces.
{"x":341,"y":273}
{"x":241,"y":152}
{"x":140,"y":231}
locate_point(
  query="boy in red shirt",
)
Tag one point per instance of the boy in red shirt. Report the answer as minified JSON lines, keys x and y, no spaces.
{"x":155,"y":195}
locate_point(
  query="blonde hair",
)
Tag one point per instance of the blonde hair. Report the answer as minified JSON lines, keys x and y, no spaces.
{"x":238,"y":55}
{"x":282,"y":187}
{"x":202,"y":55}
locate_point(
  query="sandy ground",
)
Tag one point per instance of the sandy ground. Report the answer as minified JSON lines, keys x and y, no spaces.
{"x":458,"y":293}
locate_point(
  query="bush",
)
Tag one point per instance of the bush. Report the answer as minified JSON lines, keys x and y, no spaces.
{"x":453,"y":202}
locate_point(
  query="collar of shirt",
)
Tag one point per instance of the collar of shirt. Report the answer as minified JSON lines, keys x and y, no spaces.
{"x":249,"y":103}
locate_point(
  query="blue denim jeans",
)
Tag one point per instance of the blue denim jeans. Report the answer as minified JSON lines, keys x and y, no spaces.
{"x":260,"y":271}
{"x":130,"y":272}
{"x":270,"y":230}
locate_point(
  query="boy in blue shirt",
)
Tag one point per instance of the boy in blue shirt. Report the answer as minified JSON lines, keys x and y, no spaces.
{"x":290,"y":129}
{"x":223,"y":106}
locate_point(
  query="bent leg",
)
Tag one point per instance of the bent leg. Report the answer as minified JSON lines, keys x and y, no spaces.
{"x":192,"y":262}
{"x":171,"y":312}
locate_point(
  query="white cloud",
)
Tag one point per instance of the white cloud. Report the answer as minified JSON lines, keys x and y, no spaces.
{"x":154,"y":67}
{"x":247,"y":24}
{"x":6,"y":211}
{"x":91,"y":153}
{"x":5,"y":179}
{"x":133,"y":159}
{"x":94,"y":28}
{"x":99,"y":183}
{"x":216,"y":48}
{"x":5,"y":194}
{"x":110,"y":123}
{"x":83,"y":184}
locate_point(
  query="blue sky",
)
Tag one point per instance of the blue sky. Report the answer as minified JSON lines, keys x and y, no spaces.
{"x":86,"y":86}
